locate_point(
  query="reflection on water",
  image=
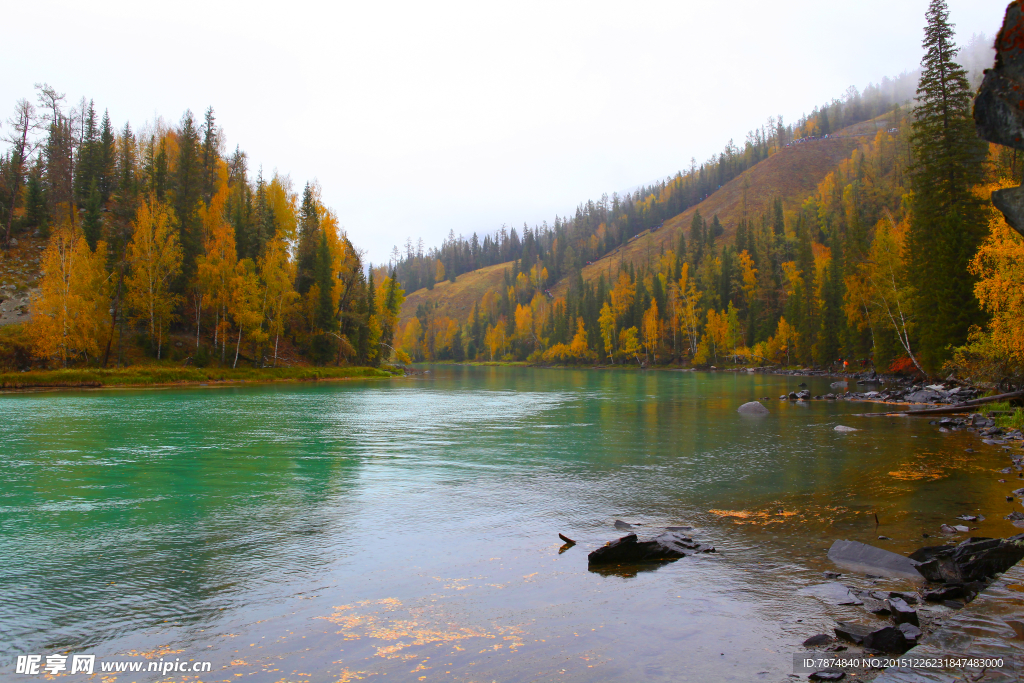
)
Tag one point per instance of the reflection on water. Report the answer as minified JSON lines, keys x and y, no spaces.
{"x":341,"y":530}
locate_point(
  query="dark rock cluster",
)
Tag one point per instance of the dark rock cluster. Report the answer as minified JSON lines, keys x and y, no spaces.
{"x":629,"y":550}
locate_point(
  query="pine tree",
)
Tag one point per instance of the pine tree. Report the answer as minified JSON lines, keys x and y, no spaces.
{"x":832,"y":318}
{"x":696,"y":238}
{"x":949,"y":220}
{"x":106,"y":160}
{"x":778,"y":222}
{"x":309,"y":226}
{"x":36,"y":213}
{"x":187,"y":185}
{"x":88,"y":156}
{"x":326,"y":319}
{"x":91,"y":225}
{"x":211,"y":155}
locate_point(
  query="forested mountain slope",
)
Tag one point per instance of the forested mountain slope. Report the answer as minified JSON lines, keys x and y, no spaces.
{"x":791,"y":175}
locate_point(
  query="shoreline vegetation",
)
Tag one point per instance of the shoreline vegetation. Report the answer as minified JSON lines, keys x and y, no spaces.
{"x":153,"y":376}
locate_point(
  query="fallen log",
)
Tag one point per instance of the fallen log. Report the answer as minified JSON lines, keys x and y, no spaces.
{"x":949,"y":410}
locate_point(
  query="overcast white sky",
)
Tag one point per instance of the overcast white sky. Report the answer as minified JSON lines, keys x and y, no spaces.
{"x":418,"y":118}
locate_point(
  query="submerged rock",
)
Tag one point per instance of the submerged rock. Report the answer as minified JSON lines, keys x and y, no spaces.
{"x":844,"y":428}
{"x":865,"y":558}
{"x":752,"y":408}
{"x":628,"y":550}
{"x":819,"y":640}
{"x":833,"y":593}
{"x":828,"y":675}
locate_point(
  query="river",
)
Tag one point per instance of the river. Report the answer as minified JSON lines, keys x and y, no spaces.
{"x":407,"y":529}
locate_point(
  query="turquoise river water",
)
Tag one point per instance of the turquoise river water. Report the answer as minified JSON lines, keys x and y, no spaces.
{"x":407,"y":529}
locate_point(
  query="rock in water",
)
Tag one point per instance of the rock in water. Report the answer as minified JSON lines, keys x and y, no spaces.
{"x":664,"y":548}
{"x":864,"y":558}
{"x":888,"y":639}
{"x":976,"y":559}
{"x":833,"y":593}
{"x":625,"y":526}
{"x":752,"y":408}
{"x":910,"y":632}
{"x":855,"y":633}
{"x":901,"y":612}
{"x":947,"y":592}
{"x":909,"y":598}
{"x":828,"y":675}
{"x":844,"y":428}
{"x":819,"y":640}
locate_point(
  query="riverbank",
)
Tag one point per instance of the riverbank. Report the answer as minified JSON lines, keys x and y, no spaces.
{"x":147,"y":376}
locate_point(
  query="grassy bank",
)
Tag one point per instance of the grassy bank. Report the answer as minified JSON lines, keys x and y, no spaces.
{"x":1015,"y":420}
{"x":154,"y":375}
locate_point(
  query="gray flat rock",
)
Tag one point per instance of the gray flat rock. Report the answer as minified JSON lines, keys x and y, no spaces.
{"x":867,"y":559}
{"x":752,"y":408}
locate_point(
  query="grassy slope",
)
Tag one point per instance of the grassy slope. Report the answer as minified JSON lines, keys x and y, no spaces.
{"x":456,"y":299}
{"x":793,"y":173}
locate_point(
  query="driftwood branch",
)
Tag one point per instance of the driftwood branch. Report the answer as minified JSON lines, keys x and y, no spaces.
{"x":949,"y":410}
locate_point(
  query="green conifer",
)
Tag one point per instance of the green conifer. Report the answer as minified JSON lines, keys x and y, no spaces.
{"x":949,"y":220}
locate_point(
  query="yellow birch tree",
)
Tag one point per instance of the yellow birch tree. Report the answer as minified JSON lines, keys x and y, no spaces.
{"x":155,"y":257}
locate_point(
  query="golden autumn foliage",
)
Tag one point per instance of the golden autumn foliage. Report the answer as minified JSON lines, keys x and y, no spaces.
{"x":997,"y":350}
{"x":155,"y":255}
{"x":71,"y":310}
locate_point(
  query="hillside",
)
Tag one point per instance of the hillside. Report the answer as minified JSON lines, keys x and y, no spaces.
{"x":792,"y":173}
{"x":456,"y":299}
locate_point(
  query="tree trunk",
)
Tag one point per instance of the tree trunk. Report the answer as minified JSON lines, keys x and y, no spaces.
{"x":199,"y":317}
{"x":238,"y":344}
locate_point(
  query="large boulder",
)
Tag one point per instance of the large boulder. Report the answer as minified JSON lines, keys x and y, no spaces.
{"x":629,"y":550}
{"x":999,"y":110}
{"x":861,"y":557}
{"x":752,"y":408}
{"x":924,"y":396}
{"x":975,"y":559}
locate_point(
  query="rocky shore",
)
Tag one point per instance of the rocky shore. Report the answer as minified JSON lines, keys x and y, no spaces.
{"x":945,"y":579}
